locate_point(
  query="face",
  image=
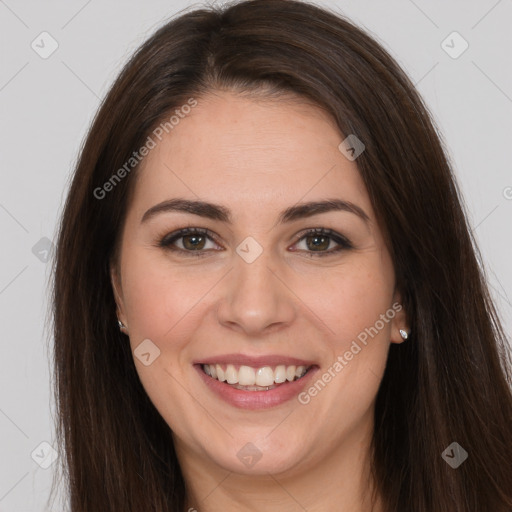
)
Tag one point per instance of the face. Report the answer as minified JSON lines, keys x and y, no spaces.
{"x":259,"y":289}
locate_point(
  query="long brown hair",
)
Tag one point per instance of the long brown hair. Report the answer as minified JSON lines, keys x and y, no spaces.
{"x":451,"y":381}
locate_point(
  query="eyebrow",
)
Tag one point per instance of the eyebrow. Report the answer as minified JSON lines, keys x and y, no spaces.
{"x":220,"y":213}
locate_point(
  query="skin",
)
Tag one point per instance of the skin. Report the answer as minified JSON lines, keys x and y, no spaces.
{"x":258,"y":157}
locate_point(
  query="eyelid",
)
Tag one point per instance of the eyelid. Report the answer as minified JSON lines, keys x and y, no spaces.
{"x":334,"y":235}
{"x":167,"y":240}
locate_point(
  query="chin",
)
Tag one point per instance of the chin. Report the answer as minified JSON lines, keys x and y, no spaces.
{"x":259,"y":457}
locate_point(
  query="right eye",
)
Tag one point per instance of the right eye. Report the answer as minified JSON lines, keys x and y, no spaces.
{"x":193,"y":241}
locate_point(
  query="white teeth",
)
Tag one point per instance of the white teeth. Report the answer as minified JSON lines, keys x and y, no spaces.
{"x":220,"y":372}
{"x":280,"y":374}
{"x":248,"y":376}
{"x":290,"y":373}
{"x":231,"y":374}
{"x":265,"y":376}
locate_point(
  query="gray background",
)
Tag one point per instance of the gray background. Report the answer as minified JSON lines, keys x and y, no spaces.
{"x":47,"y":105}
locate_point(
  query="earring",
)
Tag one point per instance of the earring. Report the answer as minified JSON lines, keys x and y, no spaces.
{"x":404,"y":334}
{"x":121,"y":325}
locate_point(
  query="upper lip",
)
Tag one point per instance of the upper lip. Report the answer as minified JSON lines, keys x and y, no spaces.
{"x":255,"y":361}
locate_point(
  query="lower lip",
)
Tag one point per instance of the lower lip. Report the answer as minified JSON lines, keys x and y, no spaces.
{"x":256,"y":399}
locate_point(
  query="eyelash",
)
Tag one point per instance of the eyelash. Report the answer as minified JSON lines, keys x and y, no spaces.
{"x":167,"y":241}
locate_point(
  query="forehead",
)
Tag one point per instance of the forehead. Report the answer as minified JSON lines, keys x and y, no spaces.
{"x":253,"y":154}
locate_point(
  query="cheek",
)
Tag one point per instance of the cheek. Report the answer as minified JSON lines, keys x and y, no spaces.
{"x":354,"y":299}
{"x":159,"y":298}
{"x":164,"y":302}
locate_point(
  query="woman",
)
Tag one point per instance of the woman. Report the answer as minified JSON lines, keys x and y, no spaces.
{"x":266,"y":292}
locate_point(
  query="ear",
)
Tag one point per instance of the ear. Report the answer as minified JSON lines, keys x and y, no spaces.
{"x":400,"y":320}
{"x":115,"y":280}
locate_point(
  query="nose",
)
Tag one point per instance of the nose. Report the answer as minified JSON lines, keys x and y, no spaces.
{"x":256,"y":298}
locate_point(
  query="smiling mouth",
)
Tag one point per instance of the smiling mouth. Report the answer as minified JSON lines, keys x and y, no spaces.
{"x":247,"y":378}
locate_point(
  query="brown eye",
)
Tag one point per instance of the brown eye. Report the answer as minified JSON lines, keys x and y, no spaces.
{"x":319,"y":240}
{"x":188,"y":241}
{"x":194,"y":242}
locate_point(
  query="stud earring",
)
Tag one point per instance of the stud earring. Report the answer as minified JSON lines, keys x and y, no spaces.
{"x":404,"y":334}
{"x":121,"y":325}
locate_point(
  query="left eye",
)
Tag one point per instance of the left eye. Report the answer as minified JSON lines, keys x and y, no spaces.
{"x":193,"y":241}
{"x":320,"y":239}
